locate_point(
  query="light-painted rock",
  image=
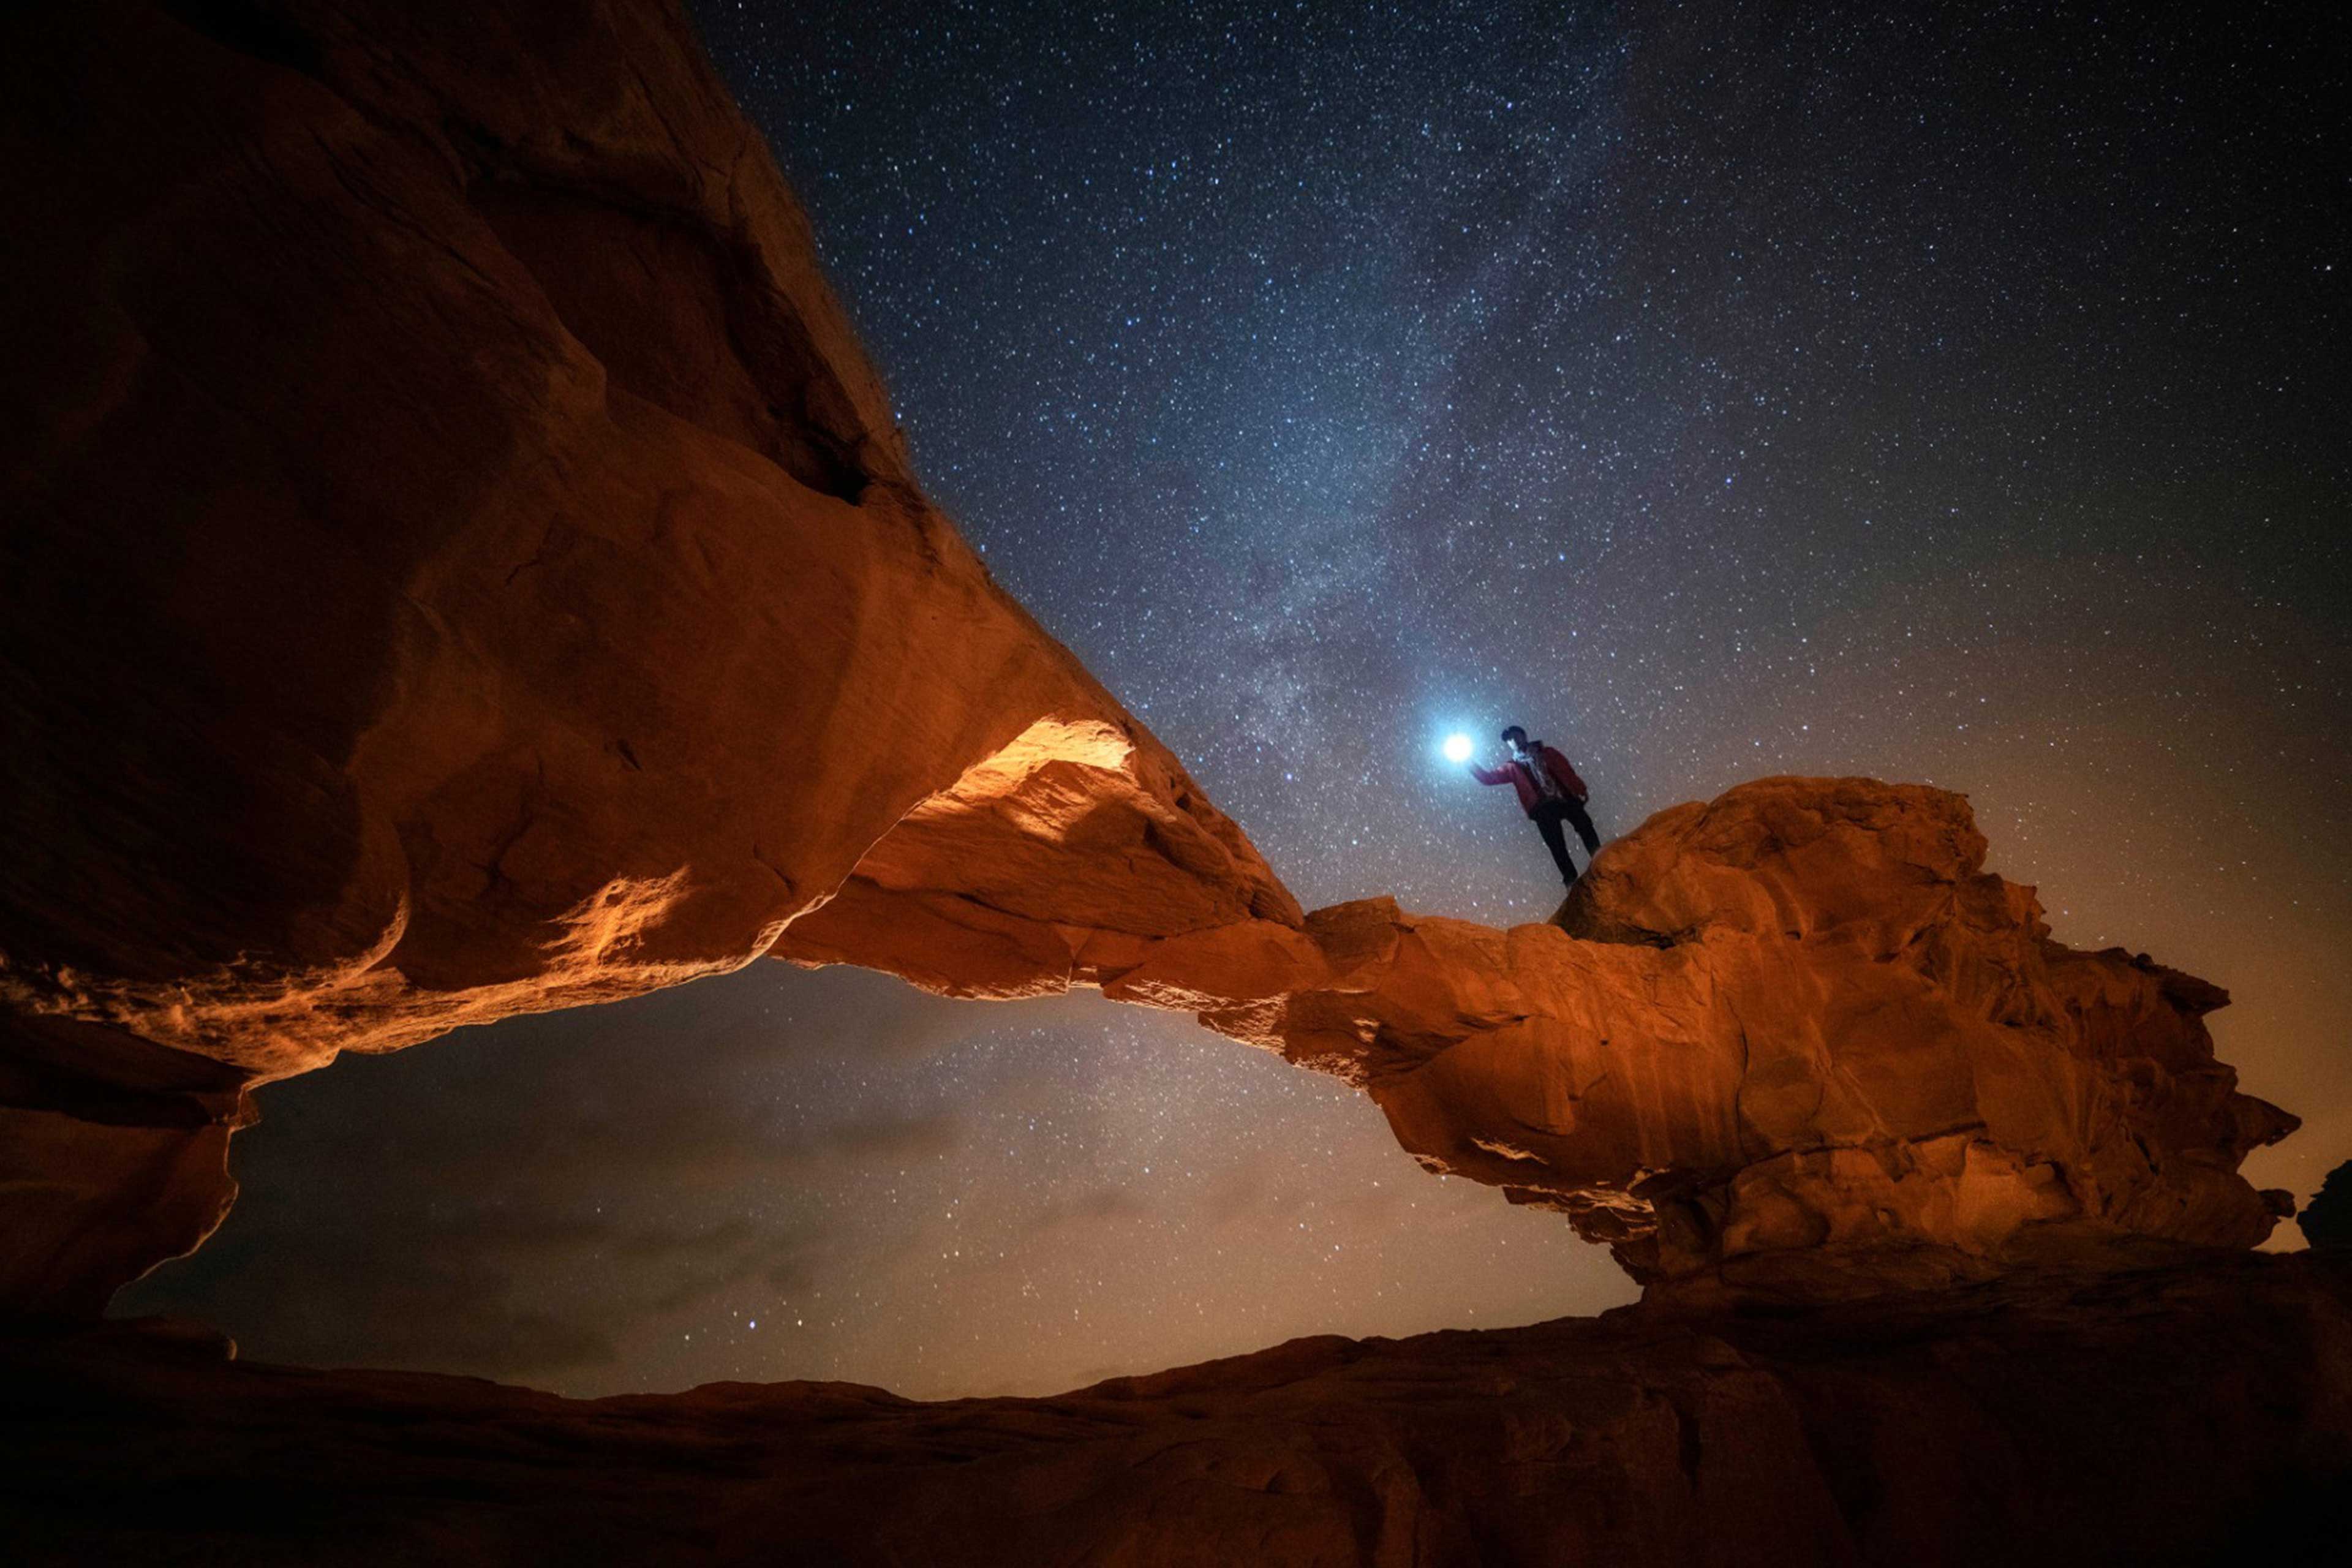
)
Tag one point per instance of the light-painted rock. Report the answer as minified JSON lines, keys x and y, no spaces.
{"x":1795,"y":1041}
{"x":458,"y":563}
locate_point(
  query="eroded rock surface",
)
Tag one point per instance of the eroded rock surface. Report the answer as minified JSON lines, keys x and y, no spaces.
{"x":1795,"y":1041}
{"x":457,"y":562}
{"x":2200,"y":1415}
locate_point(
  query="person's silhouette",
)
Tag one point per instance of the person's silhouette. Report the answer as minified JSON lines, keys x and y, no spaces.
{"x":1549,"y":792}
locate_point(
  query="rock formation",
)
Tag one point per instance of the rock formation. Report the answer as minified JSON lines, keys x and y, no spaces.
{"x":2326,"y":1219}
{"x":2182,"y":1416}
{"x":1793,"y":1042}
{"x":458,"y":562}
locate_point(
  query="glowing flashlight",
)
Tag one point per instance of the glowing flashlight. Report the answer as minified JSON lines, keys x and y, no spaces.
{"x":1457,"y":748}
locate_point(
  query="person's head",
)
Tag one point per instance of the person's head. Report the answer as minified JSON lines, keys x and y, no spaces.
{"x":1515,"y":738}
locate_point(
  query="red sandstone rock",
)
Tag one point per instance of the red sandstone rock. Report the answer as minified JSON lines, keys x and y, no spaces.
{"x":1794,"y":1042}
{"x":1061,"y":860}
{"x":2189,"y":1416}
{"x":458,"y":563}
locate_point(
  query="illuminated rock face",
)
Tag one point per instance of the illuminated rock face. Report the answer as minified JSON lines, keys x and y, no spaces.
{"x":459,"y":563}
{"x":1061,"y":860}
{"x":1794,"y":1042}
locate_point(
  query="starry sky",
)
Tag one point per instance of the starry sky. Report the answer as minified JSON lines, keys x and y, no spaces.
{"x":1944,"y":393}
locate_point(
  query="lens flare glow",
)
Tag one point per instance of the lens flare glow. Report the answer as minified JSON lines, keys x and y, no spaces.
{"x":1457,"y":748}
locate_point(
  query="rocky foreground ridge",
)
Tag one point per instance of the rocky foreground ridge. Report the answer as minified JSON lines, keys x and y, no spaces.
{"x":459,"y":562}
{"x":2177,"y":1416}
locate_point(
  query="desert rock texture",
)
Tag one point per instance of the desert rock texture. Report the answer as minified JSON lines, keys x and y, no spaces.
{"x":1794,"y":1042}
{"x":2177,"y":1417}
{"x":458,"y":563}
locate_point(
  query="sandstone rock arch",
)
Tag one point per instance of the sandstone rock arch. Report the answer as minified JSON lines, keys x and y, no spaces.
{"x":458,"y":562}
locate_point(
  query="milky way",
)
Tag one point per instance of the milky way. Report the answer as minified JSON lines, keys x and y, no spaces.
{"x":1716,"y":390}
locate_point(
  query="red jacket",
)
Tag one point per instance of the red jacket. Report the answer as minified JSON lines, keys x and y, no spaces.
{"x":1515,"y":774}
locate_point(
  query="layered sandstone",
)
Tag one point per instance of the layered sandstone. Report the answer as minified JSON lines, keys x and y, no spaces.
{"x":458,"y":562}
{"x":1795,"y":1041}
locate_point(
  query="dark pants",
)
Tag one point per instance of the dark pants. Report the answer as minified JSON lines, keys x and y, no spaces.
{"x":1550,"y":815}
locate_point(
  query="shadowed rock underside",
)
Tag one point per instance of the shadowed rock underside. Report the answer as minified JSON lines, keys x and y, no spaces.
{"x":2199,"y":1416}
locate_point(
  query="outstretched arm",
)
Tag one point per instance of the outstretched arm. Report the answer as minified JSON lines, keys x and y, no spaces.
{"x":1490,"y":776}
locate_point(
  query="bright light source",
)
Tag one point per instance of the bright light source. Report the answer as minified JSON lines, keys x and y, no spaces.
{"x":1457,"y":748}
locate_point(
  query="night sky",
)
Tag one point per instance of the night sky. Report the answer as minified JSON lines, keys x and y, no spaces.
{"x":1717,"y":390}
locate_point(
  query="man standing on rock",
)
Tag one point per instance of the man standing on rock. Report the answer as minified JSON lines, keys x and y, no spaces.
{"x":1551,"y":793}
